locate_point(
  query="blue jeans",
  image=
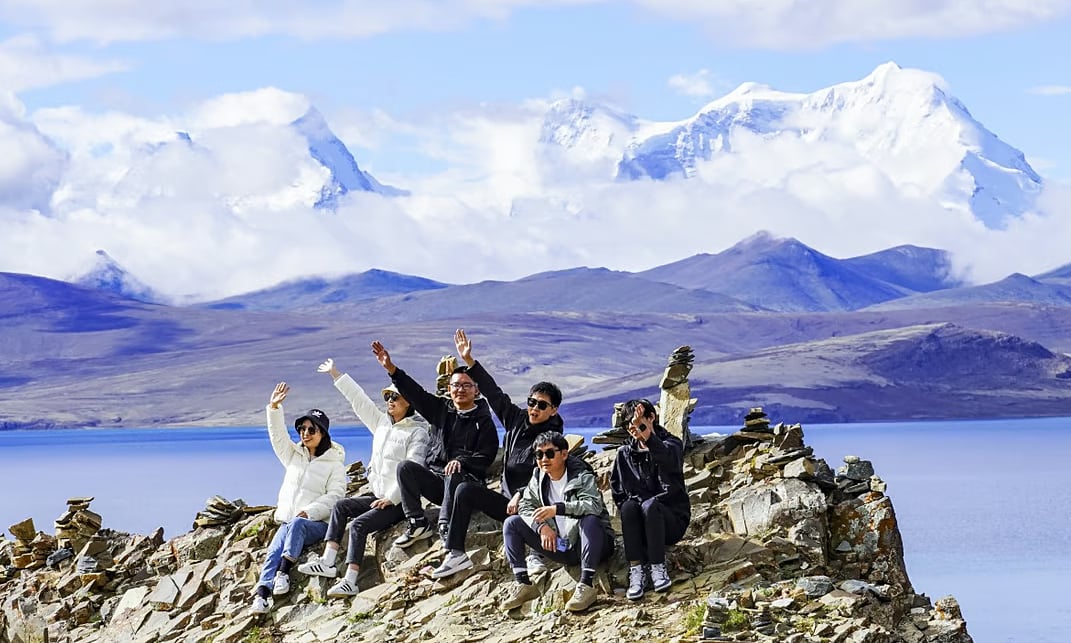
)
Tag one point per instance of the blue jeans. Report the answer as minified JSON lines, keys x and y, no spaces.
{"x":290,"y":538}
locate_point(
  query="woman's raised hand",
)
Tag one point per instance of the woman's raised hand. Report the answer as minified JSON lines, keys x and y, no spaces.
{"x":279,"y":394}
{"x":328,"y":366}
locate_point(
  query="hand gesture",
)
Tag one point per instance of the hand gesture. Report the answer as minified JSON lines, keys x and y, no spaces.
{"x":464,"y":346}
{"x":513,"y":505}
{"x":381,"y":503}
{"x":383,"y":357}
{"x":328,"y":366}
{"x":637,"y":428}
{"x":548,"y":538}
{"x":279,"y":394}
{"x":452,"y":467}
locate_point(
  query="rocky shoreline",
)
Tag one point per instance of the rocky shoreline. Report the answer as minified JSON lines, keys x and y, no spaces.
{"x":780,"y":548}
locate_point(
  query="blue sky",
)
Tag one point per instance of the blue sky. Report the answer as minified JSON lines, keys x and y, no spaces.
{"x":431,"y":95}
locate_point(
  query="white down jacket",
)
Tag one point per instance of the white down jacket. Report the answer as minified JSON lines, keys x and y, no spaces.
{"x":392,"y":443}
{"x":312,"y":485}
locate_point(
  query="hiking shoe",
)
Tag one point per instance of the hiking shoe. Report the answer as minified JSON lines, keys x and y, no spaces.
{"x":260,"y":605}
{"x":343,"y":588}
{"x":281,"y":584}
{"x":635,"y":583}
{"x":452,"y":564}
{"x":518,"y":595}
{"x":416,"y":531}
{"x":315,"y":566}
{"x":536,"y":564}
{"x":660,"y":577}
{"x":583,"y":597}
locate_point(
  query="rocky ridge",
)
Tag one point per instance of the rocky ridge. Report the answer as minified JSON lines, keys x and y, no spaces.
{"x":780,"y":548}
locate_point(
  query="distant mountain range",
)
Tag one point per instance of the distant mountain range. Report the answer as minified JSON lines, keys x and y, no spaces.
{"x":903,"y":121}
{"x":773,"y":323}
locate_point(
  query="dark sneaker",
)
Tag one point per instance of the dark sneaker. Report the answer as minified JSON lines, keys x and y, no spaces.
{"x":452,"y":564}
{"x":415,"y":532}
{"x":518,"y":595}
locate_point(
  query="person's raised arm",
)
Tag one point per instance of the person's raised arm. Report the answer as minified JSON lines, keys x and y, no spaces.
{"x":280,"y":441}
{"x":363,"y":406}
{"x":431,"y":407}
{"x":508,"y":413}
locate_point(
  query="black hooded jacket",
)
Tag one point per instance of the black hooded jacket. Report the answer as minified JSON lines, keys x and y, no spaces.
{"x":520,"y":433}
{"x":468,"y":437}
{"x":655,"y":473}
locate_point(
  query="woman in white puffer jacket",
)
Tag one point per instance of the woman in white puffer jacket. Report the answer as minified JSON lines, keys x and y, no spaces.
{"x":315,"y":479}
{"x":397,"y":435}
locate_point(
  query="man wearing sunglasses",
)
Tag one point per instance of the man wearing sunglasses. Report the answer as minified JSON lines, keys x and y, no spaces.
{"x":561,"y":515}
{"x":463,"y":444}
{"x":647,"y":483}
{"x":522,"y":426}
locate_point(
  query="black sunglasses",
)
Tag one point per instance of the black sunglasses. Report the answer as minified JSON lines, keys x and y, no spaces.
{"x":391,"y":397}
{"x":311,"y":430}
{"x":541,"y":404}
{"x":548,"y":454}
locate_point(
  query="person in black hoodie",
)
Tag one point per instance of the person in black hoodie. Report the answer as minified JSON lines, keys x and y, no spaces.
{"x":522,"y":426}
{"x":647,"y":483}
{"x":464,"y":443}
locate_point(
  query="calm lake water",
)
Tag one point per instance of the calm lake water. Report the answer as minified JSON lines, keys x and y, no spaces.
{"x":982,"y":505}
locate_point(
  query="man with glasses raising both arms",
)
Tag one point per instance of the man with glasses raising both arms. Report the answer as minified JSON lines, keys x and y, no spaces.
{"x":522,"y":426}
{"x":463,"y":444}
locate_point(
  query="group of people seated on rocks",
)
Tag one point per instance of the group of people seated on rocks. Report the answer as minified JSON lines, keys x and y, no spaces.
{"x":437,"y":448}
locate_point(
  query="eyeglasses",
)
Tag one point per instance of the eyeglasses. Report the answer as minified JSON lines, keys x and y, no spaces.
{"x":391,"y":397}
{"x":462,"y":386}
{"x":548,"y":454}
{"x":542,"y":405}
{"x":311,"y":429}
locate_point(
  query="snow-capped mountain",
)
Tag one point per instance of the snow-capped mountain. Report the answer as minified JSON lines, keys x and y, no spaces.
{"x":901,"y":121}
{"x":108,"y":275}
{"x":332,"y":154}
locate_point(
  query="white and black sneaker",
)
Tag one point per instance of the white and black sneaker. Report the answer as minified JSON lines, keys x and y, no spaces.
{"x":636,"y":579}
{"x":452,"y":564}
{"x":315,"y":566}
{"x":260,"y":605}
{"x":343,"y":588}
{"x":281,"y":584}
{"x":417,"y":530}
{"x":536,"y":565}
{"x":660,"y":577}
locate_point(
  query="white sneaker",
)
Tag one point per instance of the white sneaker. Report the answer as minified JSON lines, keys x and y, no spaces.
{"x":660,"y":577}
{"x":416,"y":531}
{"x":451,"y":565}
{"x":260,"y":605}
{"x":315,"y":566}
{"x":536,"y":564}
{"x":635,"y":583}
{"x":281,"y":584}
{"x":343,"y":588}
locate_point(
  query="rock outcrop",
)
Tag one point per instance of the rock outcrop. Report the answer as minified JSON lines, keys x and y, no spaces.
{"x":780,"y":548}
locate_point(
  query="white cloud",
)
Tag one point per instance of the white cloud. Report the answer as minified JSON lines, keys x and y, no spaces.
{"x":31,"y":165}
{"x":697,"y":84}
{"x":1050,"y":90}
{"x":784,"y":25}
{"x":231,"y":211}
{"x":757,"y":23}
{"x":26,"y":64}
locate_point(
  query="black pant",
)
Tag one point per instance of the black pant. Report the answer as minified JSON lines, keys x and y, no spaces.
{"x":367,"y":521}
{"x":418,"y":481}
{"x":470,"y":497}
{"x":647,"y":528}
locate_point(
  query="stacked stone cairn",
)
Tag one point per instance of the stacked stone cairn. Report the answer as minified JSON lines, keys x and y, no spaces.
{"x":219,"y":511}
{"x":77,"y":525}
{"x":356,"y":478}
{"x":443,"y":370}
{"x":26,"y":550}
